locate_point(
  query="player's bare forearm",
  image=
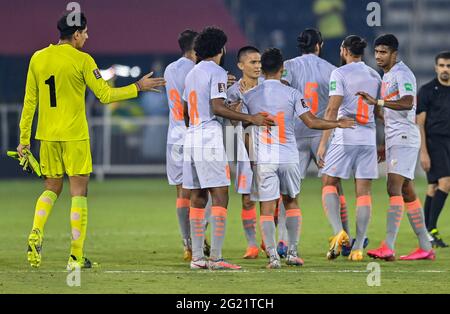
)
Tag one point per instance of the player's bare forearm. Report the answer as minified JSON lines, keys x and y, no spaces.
{"x":331,"y":114}
{"x":313,"y":122}
{"x":185,"y":114}
{"x":420,"y":120}
{"x":404,"y":103}
{"x":220,"y":109}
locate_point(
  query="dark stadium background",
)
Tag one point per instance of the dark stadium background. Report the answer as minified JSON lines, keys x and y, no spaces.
{"x":144,"y":33}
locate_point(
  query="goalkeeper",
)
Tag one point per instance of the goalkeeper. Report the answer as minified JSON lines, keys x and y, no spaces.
{"x":56,"y":83}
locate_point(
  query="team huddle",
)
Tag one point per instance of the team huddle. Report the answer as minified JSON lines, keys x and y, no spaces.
{"x":279,"y":115}
{"x":284,"y":114}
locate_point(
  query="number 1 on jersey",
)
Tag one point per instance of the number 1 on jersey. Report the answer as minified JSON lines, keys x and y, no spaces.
{"x":267,"y":136}
{"x":51,"y":83}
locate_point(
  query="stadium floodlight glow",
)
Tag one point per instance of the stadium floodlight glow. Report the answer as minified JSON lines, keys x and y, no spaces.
{"x":135,"y":71}
{"x":120,"y":70}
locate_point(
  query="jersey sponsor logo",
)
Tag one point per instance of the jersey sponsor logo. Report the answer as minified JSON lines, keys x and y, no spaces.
{"x":97,"y":74}
{"x":333,"y":85}
{"x":408,"y":87}
{"x":221,"y":87}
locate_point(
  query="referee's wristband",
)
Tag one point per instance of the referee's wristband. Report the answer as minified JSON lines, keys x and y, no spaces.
{"x":380,"y":102}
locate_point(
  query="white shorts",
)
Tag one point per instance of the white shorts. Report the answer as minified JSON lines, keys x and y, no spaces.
{"x":342,"y":161}
{"x":174,"y":164}
{"x":205,"y":167}
{"x":244,"y":177}
{"x":307,"y":152}
{"x":402,"y":160}
{"x":271,"y":180}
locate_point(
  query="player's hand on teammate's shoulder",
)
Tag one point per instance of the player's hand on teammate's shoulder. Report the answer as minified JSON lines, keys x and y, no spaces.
{"x":345,"y":123}
{"x":148,"y":83}
{"x":262,"y":119}
{"x":20,"y":149}
{"x":231,"y":79}
{"x":367,"y":98}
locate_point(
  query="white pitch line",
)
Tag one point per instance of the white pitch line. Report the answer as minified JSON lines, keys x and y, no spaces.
{"x":222,"y":271}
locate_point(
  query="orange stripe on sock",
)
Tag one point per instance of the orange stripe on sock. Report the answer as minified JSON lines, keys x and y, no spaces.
{"x":248,"y":214}
{"x":293,"y":212}
{"x":196,"y":213}
{"x":199,"y":234}
{"x":218,"y":211}
{"x":411,"y":206}
{"x":342,"y":200}
{"x":199,"y":230}
{"x":266,"y":218}
{"x":329,"y":189}
{"x":364,"y":200}
{"x":396,"y":201}
{"x":183,"y":202}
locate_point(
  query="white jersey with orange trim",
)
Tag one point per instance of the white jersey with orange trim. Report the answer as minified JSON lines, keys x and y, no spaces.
{"x":400,"y":125}
{"x":346,"y":81}
{"x":284,"y":104}
{"x":206,"y":81}
{"x":310,"y":75}
{"x":175,"y":75}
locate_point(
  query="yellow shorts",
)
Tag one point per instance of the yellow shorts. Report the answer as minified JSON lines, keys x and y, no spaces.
{"x":73,"y":158}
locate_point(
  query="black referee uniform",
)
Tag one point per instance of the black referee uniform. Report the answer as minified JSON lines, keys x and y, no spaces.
{"x":434,"y":99}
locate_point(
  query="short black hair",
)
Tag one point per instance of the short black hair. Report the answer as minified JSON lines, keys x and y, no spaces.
{"x":388,"y":40}
{"x":245,"y":50}
{"x":65,"y":30}
{"x":209,"y":42}
{"x":271,"y":60}
{"x":442,"y":55}
{"x":308,"y":39}
{"x":355,"y":45}
{"x":186,"y":40}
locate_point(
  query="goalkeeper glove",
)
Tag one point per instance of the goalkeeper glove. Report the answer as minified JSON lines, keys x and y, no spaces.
{"x":27,"y":162}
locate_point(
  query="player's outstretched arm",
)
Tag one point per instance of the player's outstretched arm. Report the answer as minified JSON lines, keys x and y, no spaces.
{"x":29,"y":107}
{"x":404,"y":103}
{"x":313,"y":122}
{"x":425,"y":160}
{"x":331,"y":113}
{"x":186,"y":114}
{"x":220,"y":109}
{"x":107,"y":94}
{"x":148,"y":83}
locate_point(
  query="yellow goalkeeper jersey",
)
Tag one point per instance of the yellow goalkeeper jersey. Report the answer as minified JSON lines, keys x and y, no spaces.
{"x":56,"y":83}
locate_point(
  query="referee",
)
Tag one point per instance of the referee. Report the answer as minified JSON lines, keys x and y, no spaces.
{"x":433,"y":118}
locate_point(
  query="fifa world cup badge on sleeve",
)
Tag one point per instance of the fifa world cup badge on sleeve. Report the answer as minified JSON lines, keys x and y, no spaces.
{"x":97,"y":74}
{"x":333,"y":85}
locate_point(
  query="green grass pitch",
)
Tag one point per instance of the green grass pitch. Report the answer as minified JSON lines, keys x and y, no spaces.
{"x":133,"y":234}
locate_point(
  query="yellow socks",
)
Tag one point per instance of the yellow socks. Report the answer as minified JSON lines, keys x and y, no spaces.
{"x":44,"y":206}
{"x":78,"y":223}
